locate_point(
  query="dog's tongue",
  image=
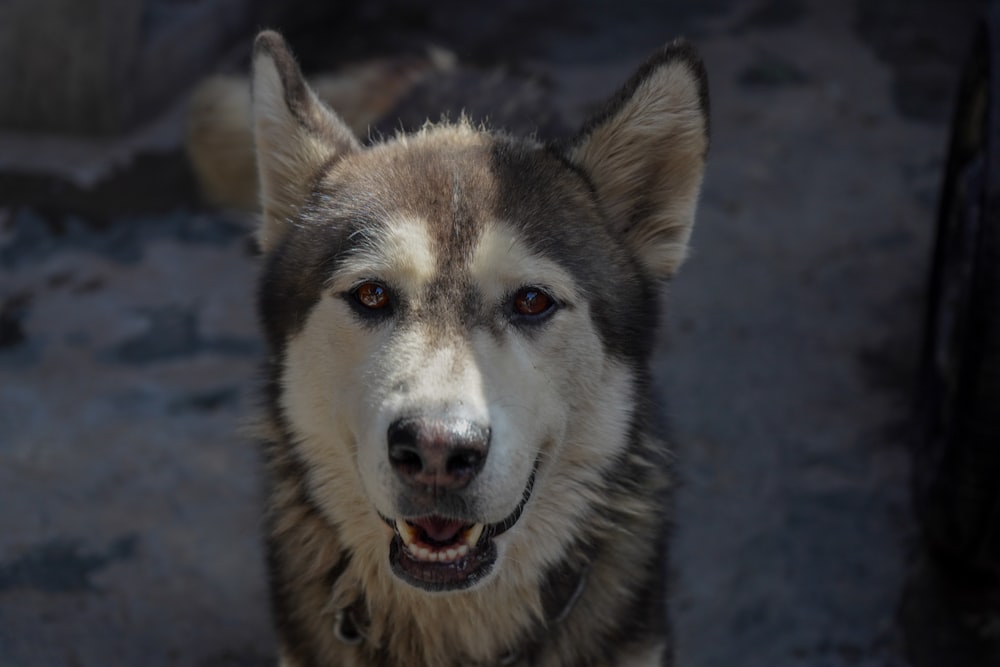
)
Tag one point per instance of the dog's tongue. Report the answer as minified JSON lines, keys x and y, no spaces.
{"x":438,"y":528}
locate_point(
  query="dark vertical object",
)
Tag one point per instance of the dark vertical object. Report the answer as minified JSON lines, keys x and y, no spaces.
{"x":958,"y":466}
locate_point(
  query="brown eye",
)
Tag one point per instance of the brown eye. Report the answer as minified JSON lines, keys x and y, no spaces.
{"x":532,"y":302}
{"x":371,"y":295}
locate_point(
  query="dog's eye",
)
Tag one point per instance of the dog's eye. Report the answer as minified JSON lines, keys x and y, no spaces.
{"x":532,"y":302}
{"x":371,"y":295}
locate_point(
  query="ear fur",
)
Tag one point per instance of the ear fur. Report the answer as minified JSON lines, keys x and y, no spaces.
{"x":645,"y":154}
{"x":294,"y":135}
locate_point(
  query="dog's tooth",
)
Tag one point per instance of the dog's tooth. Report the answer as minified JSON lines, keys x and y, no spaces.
{"x":406,"y":531}
{"x":461,"y":550}
{"x":451,"y":554}
{"x":472,"y":534}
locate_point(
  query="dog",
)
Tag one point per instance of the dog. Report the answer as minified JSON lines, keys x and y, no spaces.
{"x":461,"y":461}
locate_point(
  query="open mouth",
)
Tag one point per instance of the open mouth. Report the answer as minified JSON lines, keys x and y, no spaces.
{"x":437,"y":553}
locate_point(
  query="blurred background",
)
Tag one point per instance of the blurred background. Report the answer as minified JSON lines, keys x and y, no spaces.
{"x":836,"y":506}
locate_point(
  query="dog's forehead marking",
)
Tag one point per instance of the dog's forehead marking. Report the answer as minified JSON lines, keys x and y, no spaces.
{"x":425,"y":201}
{"x":443,"y":226}
{"x":399,"y":249}
{"x":441,"y":176}
{"x":502,"y":260}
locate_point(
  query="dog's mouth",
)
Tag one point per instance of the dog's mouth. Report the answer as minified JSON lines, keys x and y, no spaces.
{"x":437,"y":553}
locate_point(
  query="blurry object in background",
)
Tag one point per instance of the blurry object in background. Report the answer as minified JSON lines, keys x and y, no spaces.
{"x":99,"y":67}
{"x":958,"y":467}
{"x":219,"y":142}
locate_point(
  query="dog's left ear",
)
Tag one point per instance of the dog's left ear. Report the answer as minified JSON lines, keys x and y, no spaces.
{"x":645,"y":154}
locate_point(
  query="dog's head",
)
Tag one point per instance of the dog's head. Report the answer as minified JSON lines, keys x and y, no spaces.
{"x":459,"y":320}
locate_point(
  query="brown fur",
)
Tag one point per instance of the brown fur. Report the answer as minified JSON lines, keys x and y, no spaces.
{"x":583,"y":579}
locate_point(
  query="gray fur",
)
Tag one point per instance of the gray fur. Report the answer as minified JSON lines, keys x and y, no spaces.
{"x":594,"y":593}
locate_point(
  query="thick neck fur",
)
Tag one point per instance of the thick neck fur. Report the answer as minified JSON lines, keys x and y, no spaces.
{"x":317,"y":573}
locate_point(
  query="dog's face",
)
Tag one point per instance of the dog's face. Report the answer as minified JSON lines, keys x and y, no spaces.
{"x":460,"y":320}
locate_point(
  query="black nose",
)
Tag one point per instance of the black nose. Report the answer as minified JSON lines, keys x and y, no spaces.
{"x":437,"y":454}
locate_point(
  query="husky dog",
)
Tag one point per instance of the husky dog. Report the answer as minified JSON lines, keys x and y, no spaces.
{"x":460,"y":463}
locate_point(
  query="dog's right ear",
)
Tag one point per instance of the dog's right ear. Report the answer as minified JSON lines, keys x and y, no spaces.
{"x":294,"y":135}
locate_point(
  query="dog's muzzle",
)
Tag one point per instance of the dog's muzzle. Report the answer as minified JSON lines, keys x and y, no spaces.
{"x":436,"y":553}
{"x":437,"y":548}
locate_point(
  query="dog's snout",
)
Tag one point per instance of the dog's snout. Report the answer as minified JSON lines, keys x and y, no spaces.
{"x":437,"y":454}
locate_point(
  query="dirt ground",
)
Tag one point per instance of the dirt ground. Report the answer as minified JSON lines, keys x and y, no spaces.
{"x":129,"y":349}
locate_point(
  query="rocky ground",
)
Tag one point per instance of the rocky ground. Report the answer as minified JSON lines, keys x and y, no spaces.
{"x":129,"y":349}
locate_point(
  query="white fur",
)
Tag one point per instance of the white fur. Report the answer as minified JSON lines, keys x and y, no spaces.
{"x":553,"y":395}
{"x":556,"y":396}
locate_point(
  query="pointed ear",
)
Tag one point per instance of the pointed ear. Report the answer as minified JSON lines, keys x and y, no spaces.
{"x":294,"y":135}
{"x":645,"y":154}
